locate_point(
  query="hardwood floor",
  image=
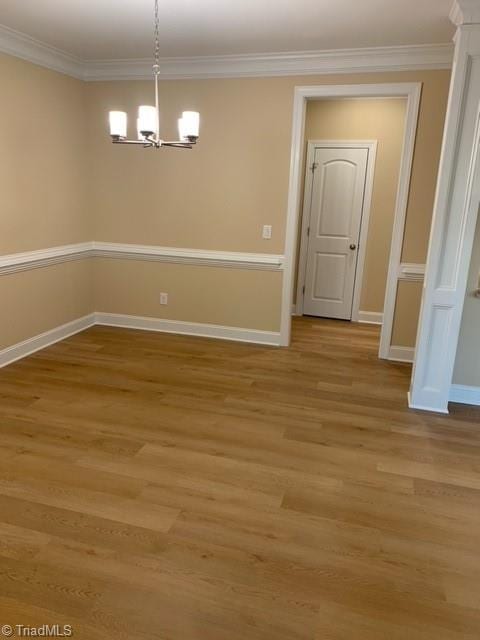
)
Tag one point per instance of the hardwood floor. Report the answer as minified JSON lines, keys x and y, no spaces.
{"x":164,"y":487}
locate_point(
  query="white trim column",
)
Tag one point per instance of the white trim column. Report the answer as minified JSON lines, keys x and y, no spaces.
{"x":454,"y":219}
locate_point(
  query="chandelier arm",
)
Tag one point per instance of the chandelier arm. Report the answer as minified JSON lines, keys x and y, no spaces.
{"x":178,"y":145}
{"x":137,"y":142}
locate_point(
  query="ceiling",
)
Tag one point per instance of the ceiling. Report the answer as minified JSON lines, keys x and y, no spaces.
{"x":121,"y":29}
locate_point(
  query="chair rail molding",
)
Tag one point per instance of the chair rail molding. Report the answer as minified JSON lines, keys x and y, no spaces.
{"x":454,"y":219}
{"x":412,"y":272}
{"x":232,"y":259}
{"x":15,"y":262}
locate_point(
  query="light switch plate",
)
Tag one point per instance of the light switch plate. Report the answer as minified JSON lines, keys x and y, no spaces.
{"x":267,"y":232}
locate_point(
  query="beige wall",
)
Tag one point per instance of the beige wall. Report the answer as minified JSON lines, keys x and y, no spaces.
{"x":43,"y":197}
{"x":467,"y":365}
{"x":221,"y":194}
{"x":64,"y":187}
{"x":409,"y":297}
{"x":42,"y":159}
{"x":42,"y":299}
{"x":228,"y":297}
{"x":217,"y":196}
{"x":384,"y":121}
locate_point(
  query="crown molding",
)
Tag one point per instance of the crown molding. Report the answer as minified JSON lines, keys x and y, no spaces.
{"x":22,"y":46}
{"x":465,"y":12}
{"x":376,"y":59}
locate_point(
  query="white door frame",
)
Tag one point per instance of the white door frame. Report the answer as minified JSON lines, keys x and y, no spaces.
{"x":312,"y":145}
{"x":410,"y":91}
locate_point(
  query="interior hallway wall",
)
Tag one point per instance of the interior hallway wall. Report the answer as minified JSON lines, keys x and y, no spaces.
{"x":382,"y":120}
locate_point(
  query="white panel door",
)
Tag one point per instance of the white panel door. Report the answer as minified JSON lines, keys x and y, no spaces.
{"x":334,"y":229}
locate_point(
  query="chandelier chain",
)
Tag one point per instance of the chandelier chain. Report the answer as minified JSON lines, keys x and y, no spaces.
{"x":156,"y":66}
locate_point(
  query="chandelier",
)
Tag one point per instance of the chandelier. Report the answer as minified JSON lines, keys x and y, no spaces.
{"x":148,"y":122}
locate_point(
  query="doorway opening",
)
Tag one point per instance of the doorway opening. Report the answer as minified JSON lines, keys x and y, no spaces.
{"x":349,"y":186}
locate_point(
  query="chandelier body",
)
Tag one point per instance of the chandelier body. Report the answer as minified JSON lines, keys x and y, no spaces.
{"x":148,"y":122}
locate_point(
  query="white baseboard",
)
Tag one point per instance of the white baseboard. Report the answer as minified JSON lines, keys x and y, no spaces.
{"x":423,"y":408}
{"x":272,"y":338}
{"x":464,"y":394}
{"x":370,"y":317}
{"x":188,"y":328}
{"x":401,"y":354}
{"x":27,"y":347}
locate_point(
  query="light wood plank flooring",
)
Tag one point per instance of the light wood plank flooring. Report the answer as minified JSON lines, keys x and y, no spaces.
{"x":164,"y":487}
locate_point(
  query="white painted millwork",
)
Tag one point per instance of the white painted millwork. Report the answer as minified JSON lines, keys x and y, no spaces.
{"x":412,"y":92}
{"x":27,"y":347}
{"x":15,"y":262}
{"x":464,"y":394}
{"x":22,"y":46}
{"x":401,"y":354}
{"x":411,"y":271}
{"x":26,"y":260}
{"x":455,"y":215}
{"x":292,"y":63}
{"x":372,"y":59}
{"x":219,"y":332}
{"x":333,"y":232}
{"x":121,"y":30}
{"x":200,"y":257}
{"x":370,"y":317}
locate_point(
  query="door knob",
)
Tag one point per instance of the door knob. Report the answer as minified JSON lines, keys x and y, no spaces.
{"x":353,"y":247}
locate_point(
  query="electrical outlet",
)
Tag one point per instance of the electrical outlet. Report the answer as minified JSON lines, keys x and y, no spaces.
{"x":267,"y":232}
{"x":164,"y":298}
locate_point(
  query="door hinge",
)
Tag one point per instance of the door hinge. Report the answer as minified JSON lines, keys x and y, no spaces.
{"x":303,"y":289}
{"x":308,"y":232}
{"x":314,"y":166}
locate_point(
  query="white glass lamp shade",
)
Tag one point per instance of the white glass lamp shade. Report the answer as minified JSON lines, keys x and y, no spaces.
{"x":190,"y":124}
{"x":182,"y":131}
{"x":118,"y":124}
{"x":148,"y":120}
